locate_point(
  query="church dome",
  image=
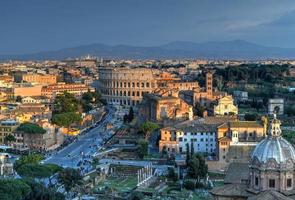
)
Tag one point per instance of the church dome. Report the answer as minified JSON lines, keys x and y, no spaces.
{"x":274,"y":147}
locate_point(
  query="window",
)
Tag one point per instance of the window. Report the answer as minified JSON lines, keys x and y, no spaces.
{"x":180,"y":149}
{"x":271,"y":183}
{"x":256,"y":181}
{"x":180,"y":139}
{"x":289,"y":182}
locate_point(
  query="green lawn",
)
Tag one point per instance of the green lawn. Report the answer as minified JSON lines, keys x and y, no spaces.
{"x":251,"y":110}
{"x":119,"y":184}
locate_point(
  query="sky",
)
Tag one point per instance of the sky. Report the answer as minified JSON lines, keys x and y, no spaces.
{"x":28,"y":26}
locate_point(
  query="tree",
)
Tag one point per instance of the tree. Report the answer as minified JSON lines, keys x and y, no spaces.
{"x":13,"y":189}
{"x":130,"y":114}
{"x":199,"y":110}
{"x":290,"y":111}
{"x":88,"y":99}
{"x":29,"y":159}
{"x":65,"y":102}
{"x":189,"y":184}
{"x":147,"y":128}
{"x":192,"y":149}
{"x":172,"y":175}
{"x":66,"y":119}
{"x":135,"y":195}
{"x":250,"y":117}
{"x":197,"y":167}
{"x":9,"y":138}
{"x":142,"y":148}
{"x":31,"y":128}
{"x":129,"y":117}
{"x":187,"y":153}
{"x":39,"y":191}
{"x":18,"y":99}
{"x":69,"y":177}
{"x":37,"y":170}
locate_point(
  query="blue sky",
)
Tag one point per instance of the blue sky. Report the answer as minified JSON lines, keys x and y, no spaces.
{"x":37,"y":25}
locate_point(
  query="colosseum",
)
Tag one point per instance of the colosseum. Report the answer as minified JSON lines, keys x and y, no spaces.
{"x":126,"y":86}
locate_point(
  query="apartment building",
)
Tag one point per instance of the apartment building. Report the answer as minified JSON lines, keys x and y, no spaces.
{"x":76,"y":89}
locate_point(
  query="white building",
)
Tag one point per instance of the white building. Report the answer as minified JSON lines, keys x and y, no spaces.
{"x":225,"y":106}
{"x":200,"y":137}
{"x":35,"y":100}
{"x":240,"y":95}
{"x":276,"y":105}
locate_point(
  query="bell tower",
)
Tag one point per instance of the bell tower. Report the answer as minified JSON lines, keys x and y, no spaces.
{"x":209,"y":83}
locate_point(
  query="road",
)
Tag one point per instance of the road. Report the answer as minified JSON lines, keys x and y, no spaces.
{"x":84,"y":146}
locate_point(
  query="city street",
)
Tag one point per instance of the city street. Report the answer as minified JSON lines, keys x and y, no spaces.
{"x":84,"y":146}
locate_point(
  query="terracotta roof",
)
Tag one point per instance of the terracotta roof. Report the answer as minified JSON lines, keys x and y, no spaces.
{"x":245,"y":124}
{"x":225,"y":138}
{"x":231,"y":190}
{"x":237,"y":173}
{"x":269,"y":195}
{"x":241,"y":124}
{"x":197,"y":127}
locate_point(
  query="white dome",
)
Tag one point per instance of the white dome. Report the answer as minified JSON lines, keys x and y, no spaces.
{"x":276,"y":148}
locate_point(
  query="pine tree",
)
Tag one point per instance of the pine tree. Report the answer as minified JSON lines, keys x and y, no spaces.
{"x":192,"y":149}
{"x":187,"y":153}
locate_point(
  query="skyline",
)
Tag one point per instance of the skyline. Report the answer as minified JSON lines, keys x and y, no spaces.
{"x":33,"y":26}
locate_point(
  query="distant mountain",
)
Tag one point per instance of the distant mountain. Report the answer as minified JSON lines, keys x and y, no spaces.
{"x":236,"y":49}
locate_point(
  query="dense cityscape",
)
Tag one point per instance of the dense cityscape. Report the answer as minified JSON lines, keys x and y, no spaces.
{"x":147,"y":100}
{"x":91,"y":128}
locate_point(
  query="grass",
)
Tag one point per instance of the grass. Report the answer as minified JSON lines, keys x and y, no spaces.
{"x":218,"y":183}
{"x":37,"y":170}
{"x":187,"y":194}
{"x":289,"y":136}
{"x":251,"y":110}
{"x":214,"y":175}
{"x":119,"y":184}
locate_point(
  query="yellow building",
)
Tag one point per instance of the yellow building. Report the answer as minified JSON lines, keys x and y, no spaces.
{"x":225,"y":106}
{"x":45,"y":79}
{"x":7,"y":127}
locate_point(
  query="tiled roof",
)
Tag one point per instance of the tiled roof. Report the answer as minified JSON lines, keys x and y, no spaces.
{"x":237,"y":172}
{"x":269,"y":195}
{"x":245,"y":124}
{"x":197,"y":128}
{"x":241,"y":124}
{"x":225,"y":138}
{"x":231,"y":190}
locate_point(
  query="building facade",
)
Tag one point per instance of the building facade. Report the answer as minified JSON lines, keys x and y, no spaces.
{"x":197,"y":137}
{"x":7,"y":127}
{"x":76,"y":89}
{"x":42,"y":79}
{"x":126,"y":86}
{"x":225,"y":106}
{"x":268,"y":175}
{"x":157,"y":108}
{"x":276,"y":106}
